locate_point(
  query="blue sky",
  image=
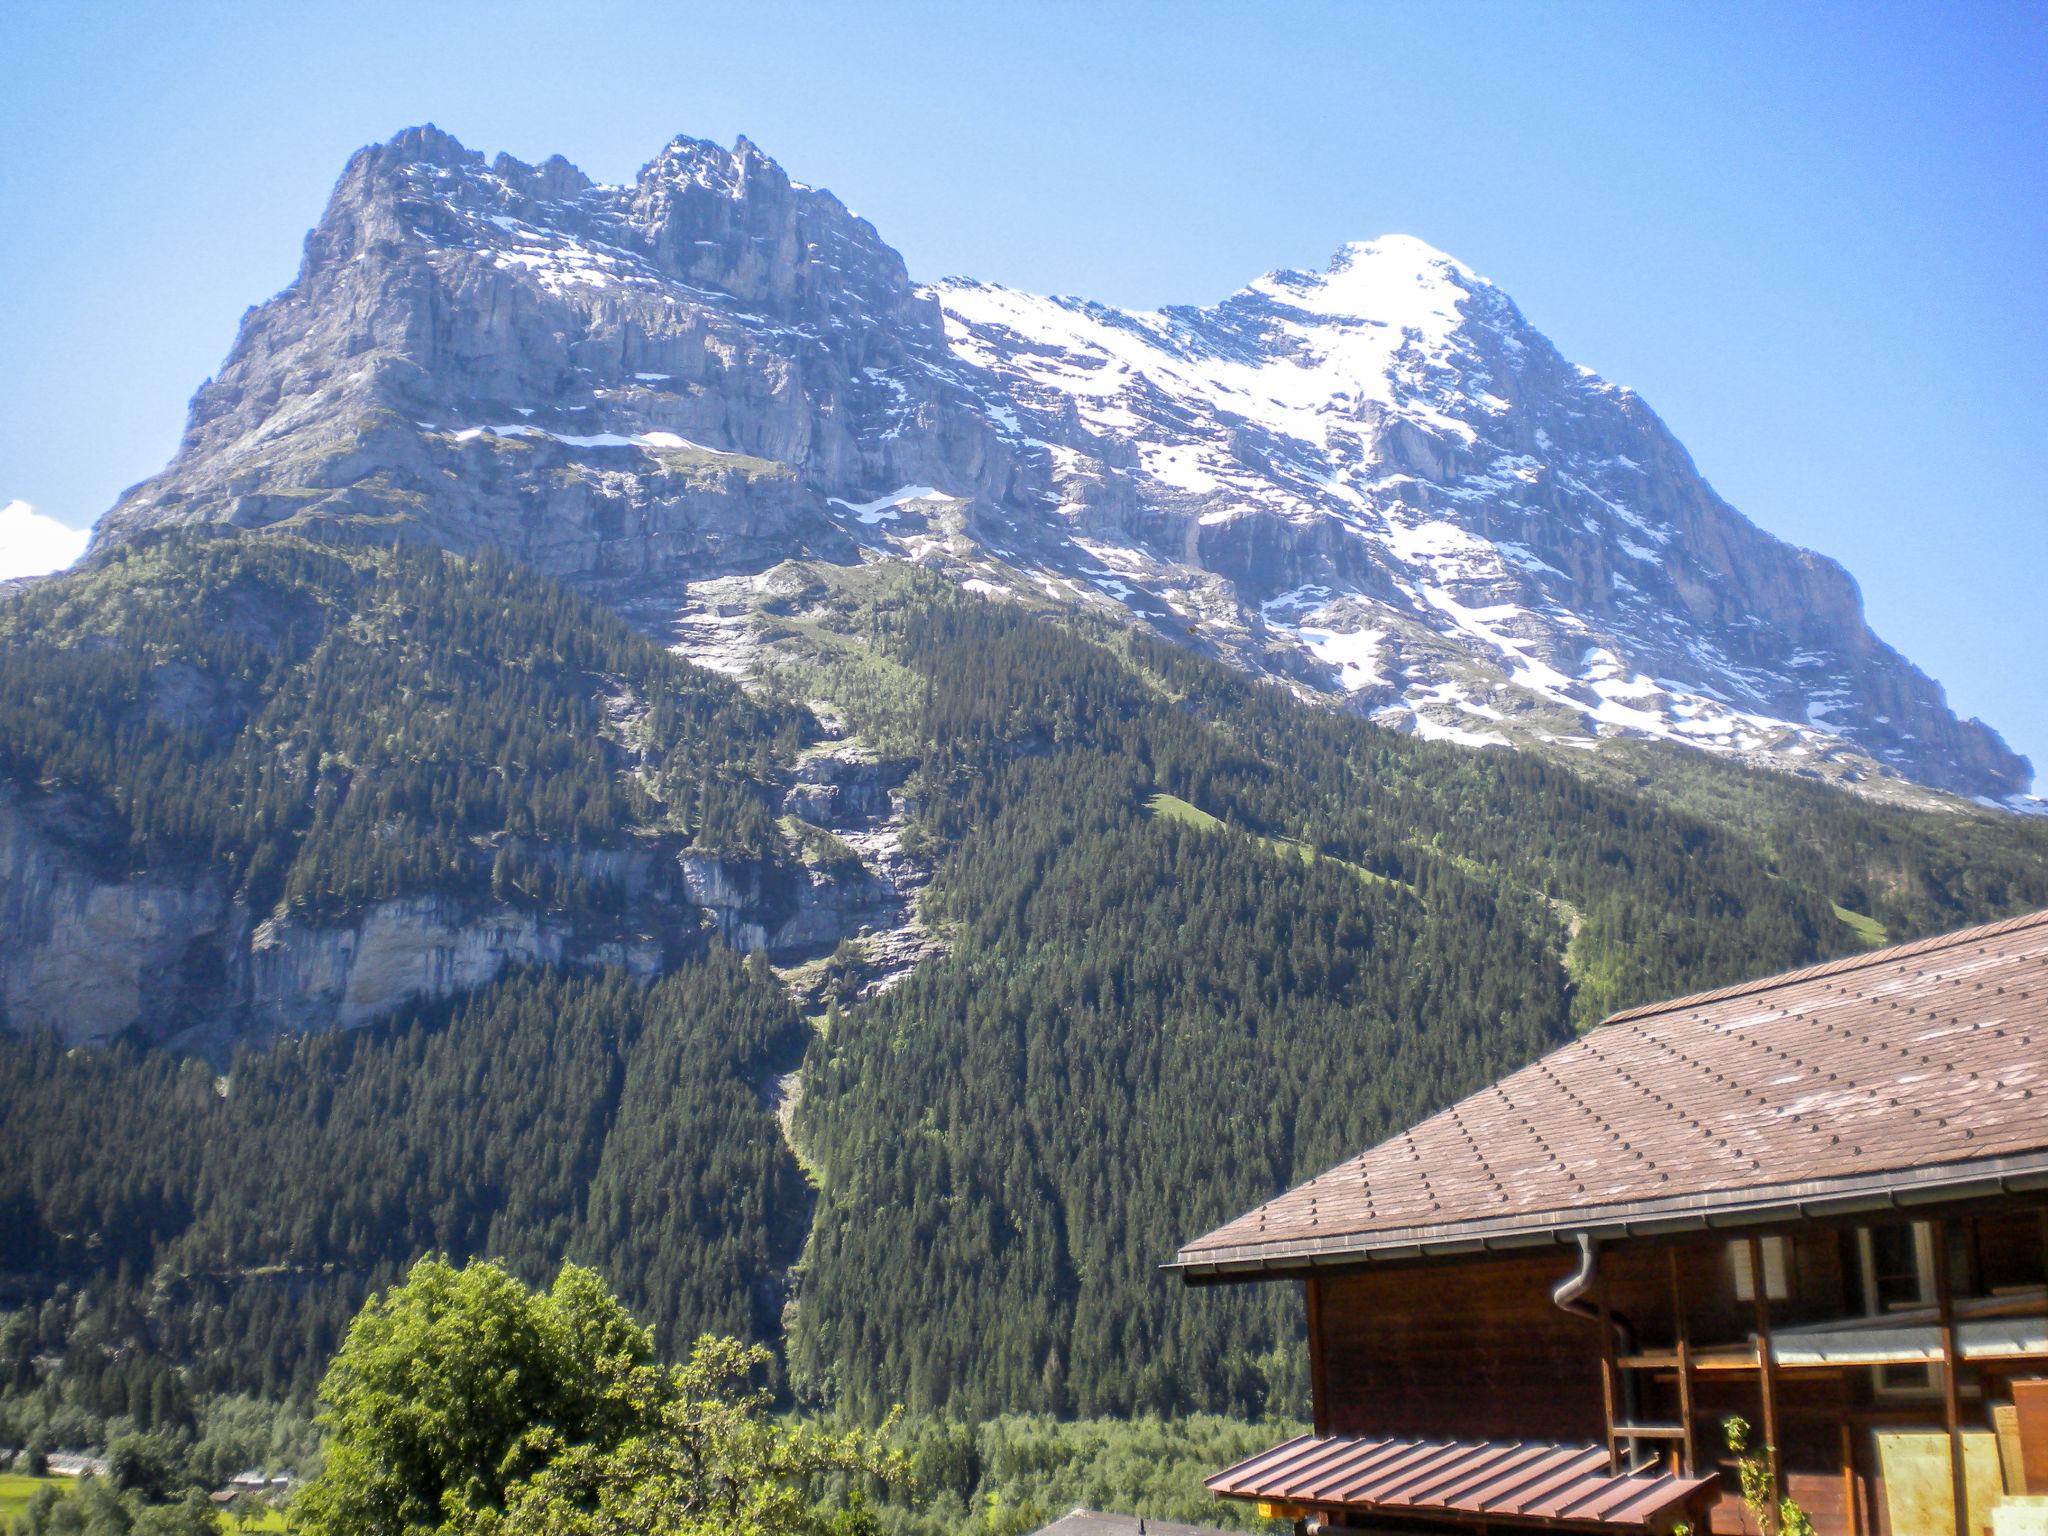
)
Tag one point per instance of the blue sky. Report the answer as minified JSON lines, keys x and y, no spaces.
{"x":1814,"y":238}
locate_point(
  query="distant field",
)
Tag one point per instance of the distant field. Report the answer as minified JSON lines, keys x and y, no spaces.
{"x":1173,"y":808}
{"x":17,"y":1488}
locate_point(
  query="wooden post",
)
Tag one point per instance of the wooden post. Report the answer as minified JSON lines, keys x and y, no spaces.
{"x":1767,"y":1374}
{"x":1951,"y":1384}
{"x":1681,"y":1334}
{"x":1607,"y":1369}
{"x":1318,"y":1387}
{"x":1849,"y":1505}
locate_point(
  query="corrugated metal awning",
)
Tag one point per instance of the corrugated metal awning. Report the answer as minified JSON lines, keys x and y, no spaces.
{"x":1874,"y":1343}
{"x":1493,"y":1480}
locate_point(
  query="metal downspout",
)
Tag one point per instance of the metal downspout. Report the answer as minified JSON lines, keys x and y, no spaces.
{"x":1568,"y":1296}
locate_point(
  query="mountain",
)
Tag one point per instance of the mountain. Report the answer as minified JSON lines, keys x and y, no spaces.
{"x":1392,"y":471}
{"x":376,"y":879}
{"x":1377,"y":483}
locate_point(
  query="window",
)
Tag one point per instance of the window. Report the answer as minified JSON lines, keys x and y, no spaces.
{"x":1777,"y":1268}
{"x":1898,"y":1275}
{"x":1898,"y":1268}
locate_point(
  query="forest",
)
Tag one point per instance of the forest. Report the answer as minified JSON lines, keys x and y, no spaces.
{"x":1145,"y":1027}
{"x":1198,"y":940}
{"x":328,"y":726}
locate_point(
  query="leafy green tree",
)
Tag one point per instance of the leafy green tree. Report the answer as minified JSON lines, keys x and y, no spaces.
{"x":463,"y":1402}
{"x":91,"y":1507}
{"x":708,"y":1461}
{"x":192,"y":1515}
{"x":435,"y":1397}
{"x":148,"y":1465}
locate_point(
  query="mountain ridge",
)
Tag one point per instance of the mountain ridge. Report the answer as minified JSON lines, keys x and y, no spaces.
{"x":1377,"y":484}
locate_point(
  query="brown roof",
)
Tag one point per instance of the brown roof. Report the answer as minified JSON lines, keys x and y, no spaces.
{"x":1918,"y":1071}
{"x":1089,"y":1522}
{"x":1490,"y":1479}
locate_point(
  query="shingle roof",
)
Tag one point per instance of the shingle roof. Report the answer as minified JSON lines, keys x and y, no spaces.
{"x":1918,"y":1069}
{"x":1487,"y":1479}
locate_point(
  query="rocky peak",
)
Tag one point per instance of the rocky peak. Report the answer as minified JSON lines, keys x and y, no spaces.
{"x":734,"y":220}
{"x":1376,"y":481}
{"x":685,"y":161}
{"x":679,"y":373}
{"x":423,"y":145}
{"x":554,"y":180}
{"x":1417,"y":506}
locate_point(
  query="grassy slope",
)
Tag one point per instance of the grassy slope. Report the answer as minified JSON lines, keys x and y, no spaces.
{"x":16,"y":1489}
{"x":1173,"y":808}
{"x":1868,"y":929}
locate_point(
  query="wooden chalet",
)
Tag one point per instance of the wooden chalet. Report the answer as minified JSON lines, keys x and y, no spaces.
{"x":1818,"y":1201}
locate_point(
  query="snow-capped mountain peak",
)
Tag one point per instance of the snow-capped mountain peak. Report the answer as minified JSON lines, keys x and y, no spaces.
{"x":1409,"y":492}
{"x":1395,"y":280}
{"x":1376,"y":482}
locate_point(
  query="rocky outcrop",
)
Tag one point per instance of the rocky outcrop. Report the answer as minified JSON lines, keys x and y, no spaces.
{"x":790,"y":912}
{"x":169,"y":957}
{"x":608,"y":382}
{"x":304,"y":976}
{"x":843,"y":789}
{"x":95,"y":953}
{"x":90,"y":956}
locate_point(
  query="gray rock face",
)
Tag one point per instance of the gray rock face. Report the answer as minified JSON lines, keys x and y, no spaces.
{"x":90,"y":957}
{"x":604,"y":381}
{"x":169,"y":956}
{"x":305,"y":977}
{"x":1377,"y":482}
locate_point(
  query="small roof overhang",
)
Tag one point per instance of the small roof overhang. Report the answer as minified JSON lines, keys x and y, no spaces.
{"x":1529,"y":1482}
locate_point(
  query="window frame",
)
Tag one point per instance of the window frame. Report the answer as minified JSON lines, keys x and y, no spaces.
{"x":1929,"y":1373}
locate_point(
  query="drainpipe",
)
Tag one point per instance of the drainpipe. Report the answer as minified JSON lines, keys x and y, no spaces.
{"x":1568,"y":1295}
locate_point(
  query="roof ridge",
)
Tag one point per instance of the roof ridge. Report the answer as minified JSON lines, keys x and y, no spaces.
{"x":1872,"y":957}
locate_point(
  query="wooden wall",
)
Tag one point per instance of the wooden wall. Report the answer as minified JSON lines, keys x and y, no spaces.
{"x":1476,"y":1349}
{"x":1458,"y":1350}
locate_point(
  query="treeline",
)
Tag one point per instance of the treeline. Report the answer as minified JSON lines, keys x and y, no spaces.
{"x":329,"y":726}
{"x":1008,"y":1476}
{"x":173,"y":1235}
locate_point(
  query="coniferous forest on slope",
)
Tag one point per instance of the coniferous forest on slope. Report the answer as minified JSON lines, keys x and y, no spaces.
{"x":1201,"y":941}
{"x":322,"y":727}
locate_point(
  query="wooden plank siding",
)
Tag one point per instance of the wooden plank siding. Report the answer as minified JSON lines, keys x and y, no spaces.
{"x":1465,"y":1351}
{"x":1474,"y":1348}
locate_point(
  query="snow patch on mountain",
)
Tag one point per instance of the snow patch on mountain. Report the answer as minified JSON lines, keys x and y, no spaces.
{"x":1484,"y":527}
{"x":1375,"y":483}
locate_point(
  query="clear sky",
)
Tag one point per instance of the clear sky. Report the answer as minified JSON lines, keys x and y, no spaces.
{"x":1815,"y":238}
